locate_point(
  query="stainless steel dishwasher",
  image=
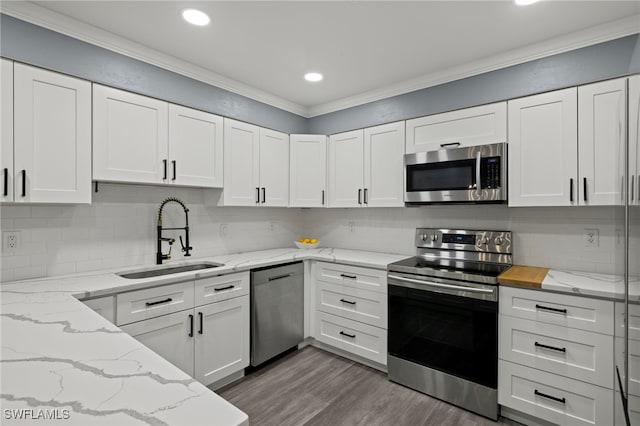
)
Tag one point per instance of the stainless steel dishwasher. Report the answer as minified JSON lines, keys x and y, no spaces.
{"x":277,"y":310}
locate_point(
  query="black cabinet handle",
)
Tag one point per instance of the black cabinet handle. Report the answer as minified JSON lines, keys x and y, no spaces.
{"x":584,"y":188}
{"x":553,"y":348}
{"x":279,"y":277}
{"x":167,"y":300}
{"x":24,"y":183}
{"x":359,"y":196}
{"x":191,"y":328}
{"x":348,"y":301}
{"x":571,"y":190}
{"x":348,"y":276}
{"x":452,"y":144}
{"x":173,"y":163}
{"x":546,"y":308}
{"x":164,"y":168}
{"x":632,"y":180}
{"x":229,"y":287}
{"x":264,"y":195}
{"x":323,"y":197}
{"x":366,"y":196}
{"x":257,"y":195}
{"x":201,"y":322}
{"x":353,"y":336}
{"x":553,"y":398}
{"x":6,"y":182}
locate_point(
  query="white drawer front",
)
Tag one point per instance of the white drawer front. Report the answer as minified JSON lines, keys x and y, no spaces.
{"x":520,"y":388}
{"x":571,"y":311}
{"x":577,"y":354}
{"x":354,"y":276}
{"x":634,"y":320}
{"x":352,"y":336}
{"x":152,"y":302}
{"x":365,"y":306}
{"x":215,"y":289}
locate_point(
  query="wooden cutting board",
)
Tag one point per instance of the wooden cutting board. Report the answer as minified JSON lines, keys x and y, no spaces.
{"x":527,"y":276}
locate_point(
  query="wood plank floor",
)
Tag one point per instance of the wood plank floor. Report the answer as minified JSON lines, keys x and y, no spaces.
{"x":314,"y":387}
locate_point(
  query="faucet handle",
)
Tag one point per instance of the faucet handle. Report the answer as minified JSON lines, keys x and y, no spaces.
{"x":185,"y":248}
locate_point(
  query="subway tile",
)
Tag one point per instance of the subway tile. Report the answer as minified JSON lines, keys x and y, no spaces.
{"x":30,"y":272}
{"x":88,"y":265}
{"x":11,"y":212}
{"x":6,"y":275}
{"x":11,"y":262}
{"x":64,"y":268}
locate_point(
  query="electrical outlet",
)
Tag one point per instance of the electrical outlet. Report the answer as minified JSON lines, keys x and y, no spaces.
{"x":591,"y":237}
{"x":11,"y":240}
{"x":224,"y":230}
{"x":352,"y":226}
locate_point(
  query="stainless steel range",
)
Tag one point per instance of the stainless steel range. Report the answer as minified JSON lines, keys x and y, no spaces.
{"x":443,"y":316}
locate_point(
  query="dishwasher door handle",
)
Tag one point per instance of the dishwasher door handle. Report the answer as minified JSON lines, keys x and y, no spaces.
{"x":279,"y":277}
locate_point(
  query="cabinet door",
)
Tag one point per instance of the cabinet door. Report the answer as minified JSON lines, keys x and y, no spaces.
{"x":543,"y":143}
{"x":634,"y":140}
{"x":6,"y":132}
{"x":52,"y":139}
{"x":129,"y":137}
{"x":241,"y":163}
{"x":602,"y":121}
{"x":274,"y":168}
{"x":346,"y":169}
{"x":222,"y":339}
{"x":383,"y":165}
{"x":308,"y":171}
{"x":195,"y":147}
{"x":170,"y":336}
{"x":466,"y":127}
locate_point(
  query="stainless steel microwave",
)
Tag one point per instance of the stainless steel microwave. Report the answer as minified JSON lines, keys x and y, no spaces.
{"x":474,"y":174}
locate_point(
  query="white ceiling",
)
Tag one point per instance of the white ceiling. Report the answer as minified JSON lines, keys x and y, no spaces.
{"x":366,"y":50}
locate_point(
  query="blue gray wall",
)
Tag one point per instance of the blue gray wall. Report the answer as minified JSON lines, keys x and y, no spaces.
{"x":598,"y":62}
{"x":28,"y":43}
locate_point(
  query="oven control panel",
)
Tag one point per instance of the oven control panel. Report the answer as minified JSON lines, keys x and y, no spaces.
{"x":467,"y":240}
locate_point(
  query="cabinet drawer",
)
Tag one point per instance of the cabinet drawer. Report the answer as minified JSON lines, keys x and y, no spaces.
{"x":353,"y":276}
{"x":152,"y":302}
{"x":578,"y":354}
{"x":533,"y":391}
{"x":634,"y":363}
{"x":352,"y":336}
{"x":365,"y":306}
{"x":224,"y":287}
{"x":583,"y":313}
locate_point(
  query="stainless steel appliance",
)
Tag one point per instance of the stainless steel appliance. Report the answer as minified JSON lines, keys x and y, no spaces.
{"x":443,"y":316}
{"x":475,"y":174}
{"x":277,"y":315}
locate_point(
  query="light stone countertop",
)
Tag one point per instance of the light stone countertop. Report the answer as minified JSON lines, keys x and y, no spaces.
{"x":591,"y":284}
{"x":59,"y":358}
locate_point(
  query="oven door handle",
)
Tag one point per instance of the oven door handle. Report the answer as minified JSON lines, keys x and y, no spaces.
{"x":447,"y":286}
{"x":478,"y":174}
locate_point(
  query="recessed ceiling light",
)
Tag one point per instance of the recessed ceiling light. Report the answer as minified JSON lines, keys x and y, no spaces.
{"x":313,"y":76}
{"x":525,"y":2}
{"x":196,"y":17}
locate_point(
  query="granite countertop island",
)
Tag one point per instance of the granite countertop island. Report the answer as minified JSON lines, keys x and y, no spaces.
{"x":63,"y":363}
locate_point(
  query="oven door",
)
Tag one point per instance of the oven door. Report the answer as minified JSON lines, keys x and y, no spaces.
{"x":441,"y":329}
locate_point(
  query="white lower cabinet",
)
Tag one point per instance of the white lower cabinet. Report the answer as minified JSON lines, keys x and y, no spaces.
{"x":105,"y":306}
{"x":556,"y":356}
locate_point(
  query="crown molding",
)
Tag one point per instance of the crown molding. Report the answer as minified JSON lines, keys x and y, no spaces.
{"x":57,"y":22}
{"x":598,"y":34}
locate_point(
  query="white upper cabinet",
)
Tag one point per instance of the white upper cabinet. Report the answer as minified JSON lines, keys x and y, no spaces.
{"x":602,"y":123}
{"x":543,"y":144}
{"x":383,"y":165}
{"x":130,"y":140}
{"x":366,"y":167}
{"x":346,"y":169}
{"x":195,"y":147}
{"x":466,"y":127}
{"x":52,"y":137}
{"x":307,"y":170}
{"x":634,"y":140}
{"x":256,"y":165}
{"x":6,"y":131}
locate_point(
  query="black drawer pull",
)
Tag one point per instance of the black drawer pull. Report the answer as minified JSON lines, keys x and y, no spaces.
{"x":584,"y":188}
{"x":279,"y":277}
{"x":546,"y":308}
{"x":353,"y":277}
{"x":348,"y":301}
{"x":323,"y":197}
{"x":167,"y":300}
{"x":353,"y":336}
{"x":359,"y":196}
{"x":452,"y":144}
{"x":229,"y":287}
{"x":164,"y":168}
{"x":24,"y":183}
{"x":191,"y":322}
{"x":553,"y":398}
{"x":201,"y":321}
{"x":553,"y":348}
{"x":6,"y":182}
{"x":571,"y":190}
{"x":173,"y":162}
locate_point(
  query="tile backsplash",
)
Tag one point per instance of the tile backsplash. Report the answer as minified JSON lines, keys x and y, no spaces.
{"x":119,"y":230}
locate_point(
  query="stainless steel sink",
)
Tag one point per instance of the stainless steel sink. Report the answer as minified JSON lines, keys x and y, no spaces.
{"x":168,"y":270}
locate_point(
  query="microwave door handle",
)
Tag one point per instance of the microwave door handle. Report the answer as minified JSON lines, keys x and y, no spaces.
{"x":478,"y":177}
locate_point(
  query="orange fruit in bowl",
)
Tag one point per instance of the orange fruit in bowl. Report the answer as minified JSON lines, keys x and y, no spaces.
{"x":301,"y":240}
{"x":307,"y":241}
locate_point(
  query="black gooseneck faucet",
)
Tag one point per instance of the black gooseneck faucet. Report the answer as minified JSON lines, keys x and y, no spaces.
{"x":185,"y":246}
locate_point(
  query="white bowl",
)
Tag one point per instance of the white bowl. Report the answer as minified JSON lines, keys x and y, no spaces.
{"x":306,"y":246}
